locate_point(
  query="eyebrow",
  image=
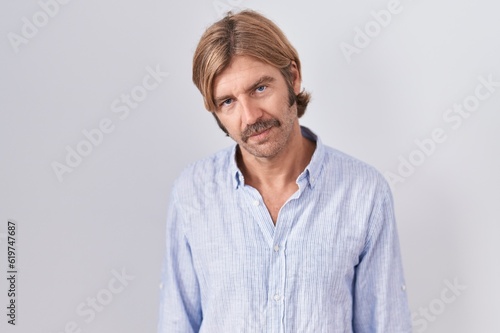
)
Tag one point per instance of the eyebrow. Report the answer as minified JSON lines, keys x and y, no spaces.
{"x":260,"y":82}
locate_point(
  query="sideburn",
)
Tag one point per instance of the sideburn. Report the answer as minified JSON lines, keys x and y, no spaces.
{"x":287,"y":74}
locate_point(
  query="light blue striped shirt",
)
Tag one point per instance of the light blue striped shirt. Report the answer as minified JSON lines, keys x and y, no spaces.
{"x":331,"y":264}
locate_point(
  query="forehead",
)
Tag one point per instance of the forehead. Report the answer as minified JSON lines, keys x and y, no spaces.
{"x":242,"y":72}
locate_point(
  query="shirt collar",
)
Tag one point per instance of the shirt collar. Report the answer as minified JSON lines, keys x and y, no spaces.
{"x":310,"y":173}
{"x":236,"y":174}
{"x":313,"y":169}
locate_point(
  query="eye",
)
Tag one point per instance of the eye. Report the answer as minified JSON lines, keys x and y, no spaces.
{"x":261,"y":88}
{"x":227,"y":102}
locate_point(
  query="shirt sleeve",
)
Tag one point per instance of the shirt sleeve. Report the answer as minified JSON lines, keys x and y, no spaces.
{"x":180,"y":305}
{"x":380,"y":302}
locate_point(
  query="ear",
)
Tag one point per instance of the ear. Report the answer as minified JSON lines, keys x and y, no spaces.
{"x":295,"y":77}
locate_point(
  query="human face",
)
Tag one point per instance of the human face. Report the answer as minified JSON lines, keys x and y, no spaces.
{"x":252,"y":100}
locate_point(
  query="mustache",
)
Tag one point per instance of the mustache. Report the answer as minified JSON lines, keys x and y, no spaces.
{"x":259,"y":126}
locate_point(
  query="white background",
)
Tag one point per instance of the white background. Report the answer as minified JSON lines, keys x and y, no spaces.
{"x":108,"y":213}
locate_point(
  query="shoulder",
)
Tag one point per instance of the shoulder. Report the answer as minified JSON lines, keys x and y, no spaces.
{"x":345,"y":171}
{"x":202,"y":185}
{"x":358,"y":187}
{"x":200,"y":174}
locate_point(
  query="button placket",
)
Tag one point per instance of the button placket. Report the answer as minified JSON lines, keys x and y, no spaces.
{"x":278,"y":267}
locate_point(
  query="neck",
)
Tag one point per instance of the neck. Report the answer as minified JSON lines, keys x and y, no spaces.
{"x":282,"y":170}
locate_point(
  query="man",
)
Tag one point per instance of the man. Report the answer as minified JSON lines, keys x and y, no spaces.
{"x":278,"y":233}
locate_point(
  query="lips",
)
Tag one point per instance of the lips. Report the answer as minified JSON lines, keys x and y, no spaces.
{"x":259,"y":133}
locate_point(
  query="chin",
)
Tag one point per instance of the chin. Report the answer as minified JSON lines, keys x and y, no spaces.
{"x":263,"y":152}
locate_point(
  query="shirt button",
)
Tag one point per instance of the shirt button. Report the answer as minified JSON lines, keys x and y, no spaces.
{"x":277,"y":298}
{"x":403,"y":287}
{"x":256,"y":203}
{"x":276,"y":248}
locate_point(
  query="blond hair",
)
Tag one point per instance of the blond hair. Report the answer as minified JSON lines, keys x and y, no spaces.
{"x":245,"y":33}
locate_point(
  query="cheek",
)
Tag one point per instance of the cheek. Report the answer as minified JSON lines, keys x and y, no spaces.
{"x":231,"y":125}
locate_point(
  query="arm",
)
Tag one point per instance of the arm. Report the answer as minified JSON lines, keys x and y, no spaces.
{"x":180,"y":305}
{"x":380,"y":303}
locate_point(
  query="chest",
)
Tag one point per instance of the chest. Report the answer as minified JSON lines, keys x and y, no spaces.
{"x":274,"y":200}
{"x":274,"y":203}
{"x":232,"y":249}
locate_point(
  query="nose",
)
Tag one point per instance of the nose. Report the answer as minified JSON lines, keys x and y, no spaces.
{"x":250,"y":111}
